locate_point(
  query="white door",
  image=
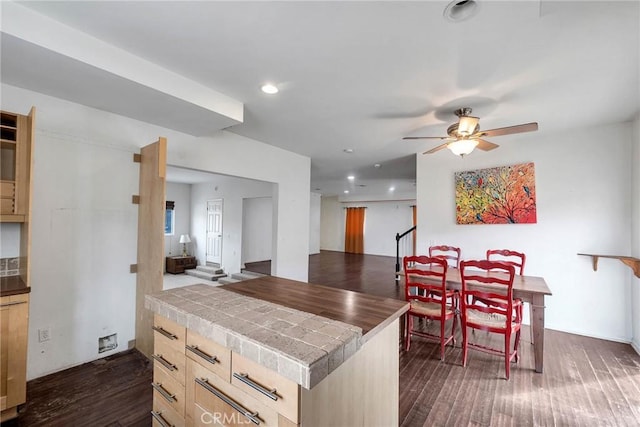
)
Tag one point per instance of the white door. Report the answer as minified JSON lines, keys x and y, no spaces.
{"x":214,"y":231}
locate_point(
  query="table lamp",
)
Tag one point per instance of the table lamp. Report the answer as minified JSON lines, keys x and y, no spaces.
{"x":184,"y":239}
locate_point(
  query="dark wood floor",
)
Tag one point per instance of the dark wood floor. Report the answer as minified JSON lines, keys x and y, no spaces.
{"x":587,"y":382}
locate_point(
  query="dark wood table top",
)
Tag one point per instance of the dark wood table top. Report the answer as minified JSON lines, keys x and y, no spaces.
{"x":13,"y":285}
{"x":369,"y":312}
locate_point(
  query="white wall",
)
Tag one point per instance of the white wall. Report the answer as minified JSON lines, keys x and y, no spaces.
{"x":382,"y":220}
{"x":331,"y":224}
{"x":257,"y":228}
{"x":181,"y":195}
{"x":635,"y":231}
{"x":85,"y":226}
{"x":583,"y":184}
{"x":232,"y":191}
{"x":230,"y":154}
{"x":314,"y":224}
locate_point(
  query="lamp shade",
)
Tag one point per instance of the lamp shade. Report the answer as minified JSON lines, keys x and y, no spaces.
{"x":184,"y":238}
{"x":462,"y":147}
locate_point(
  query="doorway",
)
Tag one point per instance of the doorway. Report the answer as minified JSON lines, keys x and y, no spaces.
{"x":214,"y":232}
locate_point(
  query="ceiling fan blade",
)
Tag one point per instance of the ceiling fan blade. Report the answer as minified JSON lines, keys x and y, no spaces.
{"x":527,"y":127}
{"x":486,"y":145}
{"x":426,"y":137}
{"x":438,"y":148}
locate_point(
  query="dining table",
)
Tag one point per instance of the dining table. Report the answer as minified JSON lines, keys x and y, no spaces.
{"x":529,"y":289}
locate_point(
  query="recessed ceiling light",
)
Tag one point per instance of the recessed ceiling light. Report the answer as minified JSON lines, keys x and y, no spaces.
{"x":346,"y":191}
{"x":377,"y":165}
{"x":348,"y":150}
{"x":461,"y":10}
{"x":351,"y":177}
{"x":269,"y":89}
{"x":392,"y":188}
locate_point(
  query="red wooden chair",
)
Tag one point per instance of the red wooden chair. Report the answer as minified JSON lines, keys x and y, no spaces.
{"x":517,"y":260}
{"x":447,"y":252}
{"x":488,"y":280}
{"x":429,"y":298}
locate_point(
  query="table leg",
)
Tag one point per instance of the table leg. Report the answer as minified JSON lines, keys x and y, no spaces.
{"x":537,"y":306}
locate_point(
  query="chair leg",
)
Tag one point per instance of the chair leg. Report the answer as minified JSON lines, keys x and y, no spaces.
{"x":507,"y":361}
{"x":442,"y":339}
{"x":464,"y":343}
{"x":407,"y":335}
{"x":453,"y":329}
{"x":516,"y":344}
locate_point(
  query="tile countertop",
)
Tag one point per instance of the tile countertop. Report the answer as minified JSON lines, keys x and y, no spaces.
{"x":300,"y":345}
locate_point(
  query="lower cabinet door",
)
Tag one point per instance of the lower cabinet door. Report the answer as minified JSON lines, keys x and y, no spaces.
{"x":217,"y":402}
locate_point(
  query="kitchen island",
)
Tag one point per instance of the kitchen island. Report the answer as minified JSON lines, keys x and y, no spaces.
{"x":272,"y":351}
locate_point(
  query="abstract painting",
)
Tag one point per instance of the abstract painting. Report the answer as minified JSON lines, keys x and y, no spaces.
{"x":501,"y":195}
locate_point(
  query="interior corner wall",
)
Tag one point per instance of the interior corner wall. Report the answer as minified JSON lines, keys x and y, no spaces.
{"x":583,"y":185}
{"x":84,"y":228}
{"x":232,"y":191}
{"x":181,"y":195}
{"x":314,"y":224}
{"x":84,"y":234}
{"x":234,"y":155}
{"x":635,"y":231}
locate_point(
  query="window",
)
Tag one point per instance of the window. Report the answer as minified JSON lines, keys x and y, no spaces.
{"x":169,"y":219}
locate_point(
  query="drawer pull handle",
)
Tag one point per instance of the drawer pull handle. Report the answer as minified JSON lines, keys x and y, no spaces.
{"x":251,"y":416}
{"x":164,"y":332}
{"x":194,"y":349}
{"x":164,"y":362}
{"x":171,"y":398}
{"x":159,"y":418}
{"x":271,"y":394}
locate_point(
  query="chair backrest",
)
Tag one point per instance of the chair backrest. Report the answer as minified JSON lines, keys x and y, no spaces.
{"x":507,"y":256}
{"x":425,"y":278}
{"x":484,"y":279}
{"x":447,"y":253}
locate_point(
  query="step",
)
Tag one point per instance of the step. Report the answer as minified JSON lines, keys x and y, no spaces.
{"x":246,"y":276}
{"x":213,"y":264}
{"x":227,"y":280}
{"x":205,"y":275}
{"x":209,"y":270}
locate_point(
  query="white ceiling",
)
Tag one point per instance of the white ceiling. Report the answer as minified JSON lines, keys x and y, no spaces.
{"x":357,"y":75}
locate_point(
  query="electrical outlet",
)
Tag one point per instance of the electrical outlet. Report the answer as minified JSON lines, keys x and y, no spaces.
{"x":44,"y":334}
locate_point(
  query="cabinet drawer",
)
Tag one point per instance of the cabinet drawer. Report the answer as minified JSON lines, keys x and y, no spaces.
{"x":266,"y":386}
{"x":164,"y":416}
{"x":205,"y":351}
{"x":168,"y":331}
{"x":168,"y":358}
{"x":217,"y":402}
{"x":168,"y":390}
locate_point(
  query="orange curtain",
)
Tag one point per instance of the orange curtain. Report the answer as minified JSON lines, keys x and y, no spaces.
{"x":415,"y":222}
{"x":354,"y":231}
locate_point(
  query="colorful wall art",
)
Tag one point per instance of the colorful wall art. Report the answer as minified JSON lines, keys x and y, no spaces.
{"x":502,"y":195}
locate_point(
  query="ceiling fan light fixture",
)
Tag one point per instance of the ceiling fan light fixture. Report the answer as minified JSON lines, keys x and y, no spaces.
{"x":467,"y":125}
{"x":462,"y":147}
{"x":460,"y":10}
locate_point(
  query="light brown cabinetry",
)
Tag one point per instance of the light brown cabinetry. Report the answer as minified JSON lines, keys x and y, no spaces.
{"x":169,"y":400}
{"x":16,"y":148}
{"x":14,"y":319}
{"x":16,"y":136}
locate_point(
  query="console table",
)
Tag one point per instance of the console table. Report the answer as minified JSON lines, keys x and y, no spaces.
{"x":178,"y":264}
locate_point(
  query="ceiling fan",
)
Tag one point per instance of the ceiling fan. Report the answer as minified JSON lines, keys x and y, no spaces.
{"x":466,"y":135}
